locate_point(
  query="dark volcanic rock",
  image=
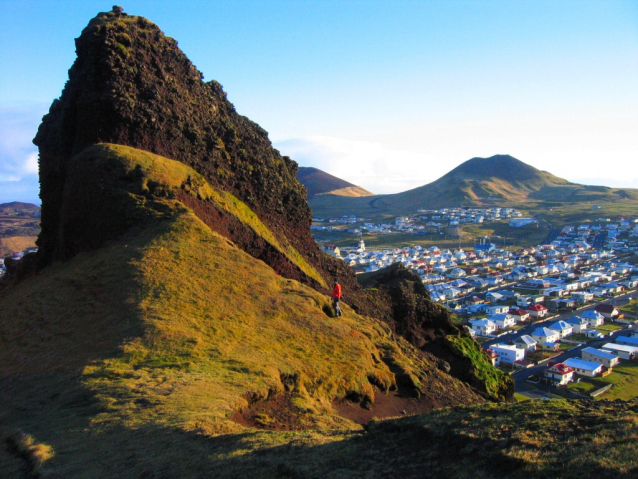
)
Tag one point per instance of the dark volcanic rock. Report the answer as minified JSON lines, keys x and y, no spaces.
{"x":132,"y":85}
{"x":405,"y":304}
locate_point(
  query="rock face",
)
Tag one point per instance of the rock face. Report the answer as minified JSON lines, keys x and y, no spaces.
{"x":404,"y":303}
{"x":132,"y":85}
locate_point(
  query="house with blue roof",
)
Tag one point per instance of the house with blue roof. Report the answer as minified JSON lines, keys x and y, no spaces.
{"x":584,"y":368}
{"x":599,"y":356}
{"x":564,"y":329}
{"x":594,"y":318}
{"x":545,"y":335}
{"x":627,"y":340}
{"x":578,"y":324}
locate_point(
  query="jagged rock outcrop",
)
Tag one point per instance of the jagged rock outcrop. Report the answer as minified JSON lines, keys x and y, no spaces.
{"x":131,"y":85}
{"x":404,"y":303}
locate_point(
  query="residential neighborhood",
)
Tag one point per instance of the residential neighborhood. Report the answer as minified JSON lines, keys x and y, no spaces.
{"x":528,"y":306}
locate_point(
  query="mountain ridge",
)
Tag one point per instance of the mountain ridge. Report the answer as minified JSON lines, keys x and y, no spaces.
{"x":318,"y":182}
{"x":500,"y":180}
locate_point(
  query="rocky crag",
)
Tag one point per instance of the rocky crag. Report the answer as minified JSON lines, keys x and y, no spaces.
{"x":131,"y":85}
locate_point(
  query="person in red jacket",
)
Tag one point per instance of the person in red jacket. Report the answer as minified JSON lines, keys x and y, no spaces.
{"x":336,"y":297}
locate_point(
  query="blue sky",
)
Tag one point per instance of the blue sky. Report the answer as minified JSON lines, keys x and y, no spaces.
{"x":387,"y":95}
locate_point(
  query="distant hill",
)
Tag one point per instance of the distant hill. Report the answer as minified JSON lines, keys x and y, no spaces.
{"x":17,"y":206}
{"x":499,"y":180}
{"x":318,"y":182}
{"x":481,"y":180}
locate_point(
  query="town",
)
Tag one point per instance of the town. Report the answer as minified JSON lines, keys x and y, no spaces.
{"x":445,"y":220}
{"x":549,"y":314}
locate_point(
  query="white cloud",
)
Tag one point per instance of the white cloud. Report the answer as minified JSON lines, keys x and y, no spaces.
{"x":370,"y":165}
{"x":18,"y":126}
{"x":25,"y":190}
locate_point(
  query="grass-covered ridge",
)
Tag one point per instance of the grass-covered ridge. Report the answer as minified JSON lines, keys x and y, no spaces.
{"x":154,"y":173}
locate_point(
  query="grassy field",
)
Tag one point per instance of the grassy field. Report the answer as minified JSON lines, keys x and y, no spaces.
{"x":501,"y":234}
{"x":608,"y":328}
{"x":580,"y":337}
{"x":586,"y":386}
{"x":16,"y":243}
{"x":624,"y":378}
{"x":630,"y":308}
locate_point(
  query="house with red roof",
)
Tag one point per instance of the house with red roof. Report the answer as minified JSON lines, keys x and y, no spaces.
{"x":537,"y":310}
{"x":519,"y":314}
{"x":491,"y":356}
{"x":559,"y":374}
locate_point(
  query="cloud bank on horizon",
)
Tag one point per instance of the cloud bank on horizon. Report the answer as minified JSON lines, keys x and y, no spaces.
{"x":370,"y":165}
{"x":18,"y":155}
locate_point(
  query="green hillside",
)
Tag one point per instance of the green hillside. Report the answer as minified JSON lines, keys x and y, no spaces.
{"x":169,"y":352}
{"x":170,"y":329}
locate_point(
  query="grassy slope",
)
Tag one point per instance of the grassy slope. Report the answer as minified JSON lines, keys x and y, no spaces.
{"x":125,"y":385}
{"x":128,"y":362}
{"x":16,"y":243}
{"x":166,"y":332}
{"x":154,"y":169}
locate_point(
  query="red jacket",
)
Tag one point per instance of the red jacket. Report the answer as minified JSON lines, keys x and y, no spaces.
{"x":336,"y":292}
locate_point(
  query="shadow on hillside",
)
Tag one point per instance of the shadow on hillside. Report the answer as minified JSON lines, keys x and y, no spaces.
{"x":405,"y":448}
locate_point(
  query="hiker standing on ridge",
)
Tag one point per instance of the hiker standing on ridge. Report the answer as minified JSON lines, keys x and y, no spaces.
{"x":336,"y":297}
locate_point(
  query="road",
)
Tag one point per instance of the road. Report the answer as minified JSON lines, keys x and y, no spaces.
{"x":553,"y":232}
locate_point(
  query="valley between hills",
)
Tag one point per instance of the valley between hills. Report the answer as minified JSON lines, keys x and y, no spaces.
{"x":176,"y":321}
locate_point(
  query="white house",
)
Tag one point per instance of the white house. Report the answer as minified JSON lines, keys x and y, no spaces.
{"x":526,"y":342}
{"x":599,"y":356}
{"x":499,"y":309}
{"x":620,"y":350}
{"x":519,"y":314}
{"x":584,"y":368}
{"x":578,"y":324}
{"x":564,"y":329}
{"x":545,"y":335}
{"x":483,"y":327}
{"x":503,"y":320}
{"x":593,"y":318}
{"x":559,"y":374}
{"x":456,"y":273}
{"x":494,"y":297}
{"x":507,"y":353}
{"x":593,"y":334}
{"x":537,"y":310}
{"x":523,"y":301}
{"x":582,"y":296}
